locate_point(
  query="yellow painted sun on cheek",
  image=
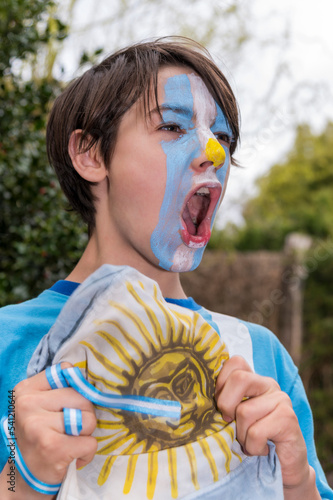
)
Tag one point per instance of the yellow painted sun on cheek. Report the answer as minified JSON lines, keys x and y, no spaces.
{"x":215,"y":152}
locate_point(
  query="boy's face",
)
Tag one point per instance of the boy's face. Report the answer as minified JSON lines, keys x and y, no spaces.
{"x":168,"y":175}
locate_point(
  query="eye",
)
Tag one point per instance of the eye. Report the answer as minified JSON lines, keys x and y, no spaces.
{"x":223,"y":137}
{"x":171,"y":127}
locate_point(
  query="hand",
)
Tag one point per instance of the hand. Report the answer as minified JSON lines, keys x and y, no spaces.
{"x":40,"y":431}
{"x":265,"y":414}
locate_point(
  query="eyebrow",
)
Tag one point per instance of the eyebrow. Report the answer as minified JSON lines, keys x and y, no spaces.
{"x":180,"y":110}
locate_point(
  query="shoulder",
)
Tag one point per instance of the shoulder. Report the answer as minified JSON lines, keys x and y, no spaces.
{"x":30,"y":316}
{"x":268,"y":356}
{"x":22,"y":326}
{"x":271,"y":358}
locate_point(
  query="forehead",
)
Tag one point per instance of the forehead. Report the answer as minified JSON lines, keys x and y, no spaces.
{"x":182,"y":87}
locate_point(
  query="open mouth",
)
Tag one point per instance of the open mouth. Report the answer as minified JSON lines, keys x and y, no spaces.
{"x":197,"y":213}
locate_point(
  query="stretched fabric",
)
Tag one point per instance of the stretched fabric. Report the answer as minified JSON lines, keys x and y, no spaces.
{"x":126,"y":340}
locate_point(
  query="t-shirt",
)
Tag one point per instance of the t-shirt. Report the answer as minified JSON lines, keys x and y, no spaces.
{"x":23,"y":326}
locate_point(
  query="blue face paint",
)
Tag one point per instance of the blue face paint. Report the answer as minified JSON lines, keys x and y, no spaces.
{"x":188,"y":105}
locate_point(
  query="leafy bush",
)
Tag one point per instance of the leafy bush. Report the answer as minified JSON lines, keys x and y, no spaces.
{"x":39,"y":241}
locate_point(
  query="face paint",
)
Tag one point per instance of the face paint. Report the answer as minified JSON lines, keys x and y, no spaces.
{"x":193,"y":191}
{"x":215,"y":152}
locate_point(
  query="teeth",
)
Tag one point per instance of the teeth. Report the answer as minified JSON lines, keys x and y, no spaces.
{"x":203,"y":191}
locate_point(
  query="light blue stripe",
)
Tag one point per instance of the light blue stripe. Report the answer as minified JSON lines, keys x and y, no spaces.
{"x":55,"y":383}
{"x":29,"y":478}
{"x":61,"y":376}
{"x":72,"y":421}
{"x":149,"y":406}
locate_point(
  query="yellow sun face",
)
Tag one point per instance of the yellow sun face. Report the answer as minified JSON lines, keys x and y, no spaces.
{"x":153,"y":349}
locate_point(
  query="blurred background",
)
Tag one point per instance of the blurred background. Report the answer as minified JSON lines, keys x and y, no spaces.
{"x":270,"y":259}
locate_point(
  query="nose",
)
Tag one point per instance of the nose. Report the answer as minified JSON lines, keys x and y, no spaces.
{"x":215,"y":152}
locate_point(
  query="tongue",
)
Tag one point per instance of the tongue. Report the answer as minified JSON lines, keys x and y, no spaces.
{"x":196,"y":210}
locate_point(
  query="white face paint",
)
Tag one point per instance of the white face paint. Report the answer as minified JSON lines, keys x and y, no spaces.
{"x":197,"y":152}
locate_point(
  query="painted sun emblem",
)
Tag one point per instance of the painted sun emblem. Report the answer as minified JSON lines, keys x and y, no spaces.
{"x":153,"y":349}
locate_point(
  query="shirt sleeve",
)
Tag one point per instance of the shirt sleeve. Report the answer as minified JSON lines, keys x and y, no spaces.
{"x":271,"y":359}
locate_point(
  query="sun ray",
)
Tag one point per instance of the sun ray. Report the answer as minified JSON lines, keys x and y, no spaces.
{"x":81,"y":364}
{"x":117,"y":346}
{"x":203,"y":340}
{"x":185,"y":318}
{"x":138,"y":323}
{"x":206,"y":451}
{"x":106,"y":469}
{"x":130,"y":473}
{"x":170,"y":322}
{"x":193,"y":465}
{"x":225,"y":449}
{"x":111,"y":367}
{"x":108,"y":424}
{"x":152,"y":474}
{"x":128,"y":337}
{"x":230,"y":430}
{"x":115,"y":443}
{"x":237,"y":455}
{"x":150,"y":313}
{"x":115,"y":437}
{"x":93,"y":377}
{"x":172,"y":461}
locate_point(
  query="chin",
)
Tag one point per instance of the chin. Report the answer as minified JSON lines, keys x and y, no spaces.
{"x":186,"y":258}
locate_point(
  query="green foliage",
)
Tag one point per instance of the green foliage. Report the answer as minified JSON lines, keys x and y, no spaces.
{"x":317,"y":368}
{"x":298,"y":196}
{"x":39,"y":241}
{"x":295,"y":196}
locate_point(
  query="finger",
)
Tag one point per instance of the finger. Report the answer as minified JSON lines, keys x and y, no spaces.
{"x":89,"y":423}
{"x":239,"y":385}
{"x":38,"y":382}
{"x":56,"y":452}
{"x":51,"y":401}
{"x":253,"y":410}
{"x":55,"y":421}
{"x":234,"y":363}
{"x":77,"y":447}
{"x":88,"y":456}
{"x":281,"y":427}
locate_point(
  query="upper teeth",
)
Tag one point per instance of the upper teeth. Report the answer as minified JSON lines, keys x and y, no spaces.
{"x":203,"y":191}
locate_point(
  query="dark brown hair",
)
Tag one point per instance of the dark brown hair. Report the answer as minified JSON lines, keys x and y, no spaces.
{"x":96,"y":102}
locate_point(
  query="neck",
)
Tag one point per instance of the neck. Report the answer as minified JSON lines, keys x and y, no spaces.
{"x":98,"y":253}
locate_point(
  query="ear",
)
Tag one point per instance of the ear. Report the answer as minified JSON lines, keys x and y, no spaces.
{"x":89,"y":164}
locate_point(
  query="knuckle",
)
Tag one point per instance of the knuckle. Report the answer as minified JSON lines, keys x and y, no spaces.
{"x":91,"y":422}
{"x":48,"y":443}
{"x":254,"y":434}
{"x":223,"y":405}
{"x":31,"y":427}
{"x":240,"y":376}
{"x":274,"y":386}
{"x":93,"y":445}
{"x":24,"y":403}
{"x":284,"y":403}
{"x":240,"y":363}
{"x":22,"y":387}
{"x":242,"y":411}
{"x":288,"y":413}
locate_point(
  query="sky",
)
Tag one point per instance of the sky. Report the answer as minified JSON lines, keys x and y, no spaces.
{"x":281,"y":75}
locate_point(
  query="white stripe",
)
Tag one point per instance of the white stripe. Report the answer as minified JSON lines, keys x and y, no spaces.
{"x":73,"y":423}
{"x":170,"y":409}
{"x":55,"y":376}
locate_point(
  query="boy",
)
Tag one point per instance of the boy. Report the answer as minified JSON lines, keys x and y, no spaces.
{"x":142,"y":145}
